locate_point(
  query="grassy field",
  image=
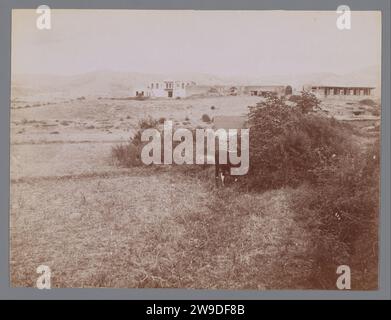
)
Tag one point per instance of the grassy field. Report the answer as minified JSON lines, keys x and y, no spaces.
{"x":98,"y":225}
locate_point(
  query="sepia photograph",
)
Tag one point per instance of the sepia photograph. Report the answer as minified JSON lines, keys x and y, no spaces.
{"x":195,"y":149}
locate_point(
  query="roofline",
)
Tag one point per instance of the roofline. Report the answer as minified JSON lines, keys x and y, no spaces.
{"x":353,"y":87}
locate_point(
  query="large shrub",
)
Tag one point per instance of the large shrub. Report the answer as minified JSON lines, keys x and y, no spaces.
{"x":287,"y":146}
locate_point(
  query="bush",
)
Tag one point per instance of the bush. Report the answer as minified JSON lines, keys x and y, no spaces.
{"x":286,"y":146}
{"x":294,"y":98}
{"x":308,"y":102}
{"x":148,"y":123}
{"x":127,"y":155}
{"x":213,"y":90}
{"x":205,"y":118}
{"x":139,"y":98}
{"x":344,"y":205}
{"x":375,"y":112}
{"x":367,"y":102}
{"x":161,"y":120}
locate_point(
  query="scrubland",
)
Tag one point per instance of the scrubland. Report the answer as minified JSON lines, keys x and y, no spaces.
{"x":97,"y":223}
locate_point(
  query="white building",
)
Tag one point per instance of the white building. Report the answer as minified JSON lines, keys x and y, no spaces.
{"x":169,"y":88}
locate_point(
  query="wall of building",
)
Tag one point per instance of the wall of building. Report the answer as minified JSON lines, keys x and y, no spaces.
{"x":259,"y":90}
{"x":163,"y":88}
{"x":355,"y":93}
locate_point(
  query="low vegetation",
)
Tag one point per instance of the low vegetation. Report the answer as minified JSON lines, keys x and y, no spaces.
{"x":206,"y":118}
{"x":129,"y":154}
{"x":367,"y":102}
{"x":161,"y":120}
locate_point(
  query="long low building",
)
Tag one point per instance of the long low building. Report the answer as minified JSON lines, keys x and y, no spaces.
{"x":329,"y":91}
{"x":260,"y":90}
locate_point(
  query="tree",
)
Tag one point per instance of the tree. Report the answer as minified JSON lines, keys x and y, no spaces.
{"x":308,"y":102}
{"x":288,"y":145}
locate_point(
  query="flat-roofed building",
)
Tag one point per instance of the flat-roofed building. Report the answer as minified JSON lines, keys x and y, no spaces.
{"x":332,"y":91}
{"x":169,"y":88}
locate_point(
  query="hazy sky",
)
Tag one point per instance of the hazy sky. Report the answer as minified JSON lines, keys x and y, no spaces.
{"x":215,"y":42}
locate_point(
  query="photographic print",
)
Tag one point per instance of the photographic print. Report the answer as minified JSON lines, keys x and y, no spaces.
{"x":195,"y":149}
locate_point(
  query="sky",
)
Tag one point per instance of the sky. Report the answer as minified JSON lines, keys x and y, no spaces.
{"x":214,"y":42}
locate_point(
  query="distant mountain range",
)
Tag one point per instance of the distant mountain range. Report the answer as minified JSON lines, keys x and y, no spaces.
{"x":109,"y":83}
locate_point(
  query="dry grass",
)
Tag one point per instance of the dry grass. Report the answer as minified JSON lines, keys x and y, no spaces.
{"x":166,"y":230}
